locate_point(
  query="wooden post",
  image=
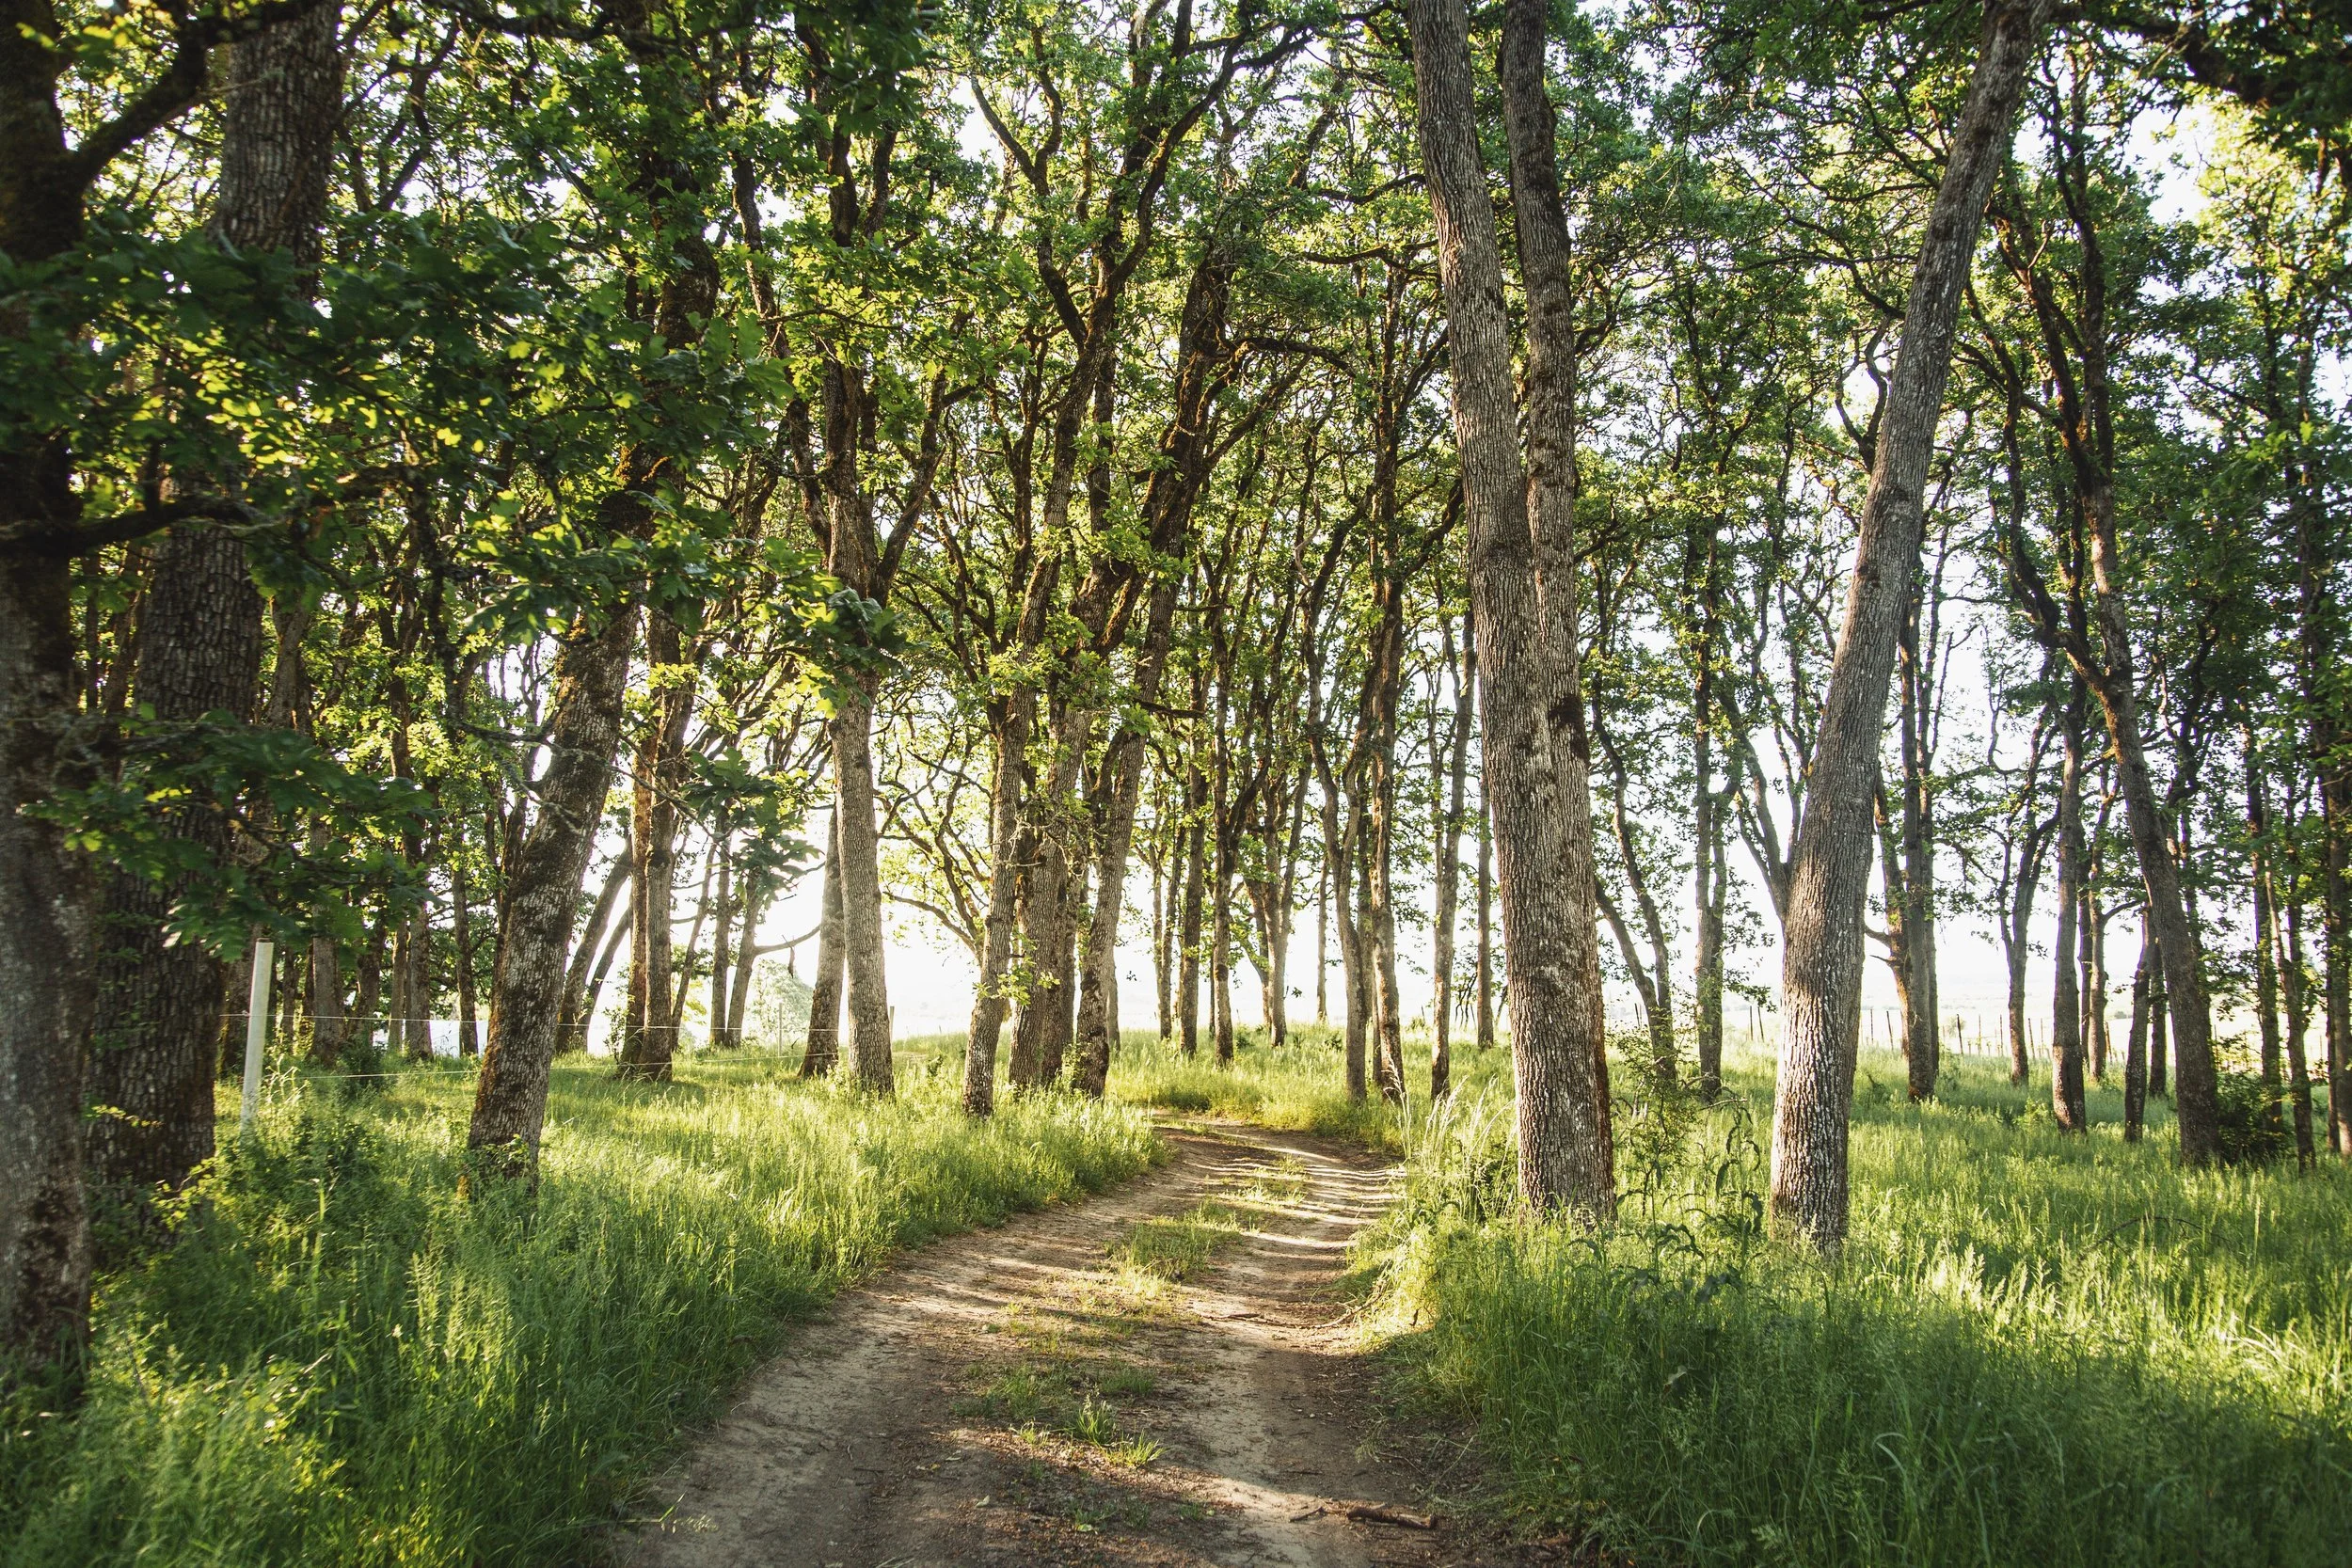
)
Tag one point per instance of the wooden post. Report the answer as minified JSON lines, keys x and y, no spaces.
{"x":256,"y":1034}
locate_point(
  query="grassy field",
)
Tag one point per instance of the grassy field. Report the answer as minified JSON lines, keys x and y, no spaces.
{"x":2038,"y":1350}
{"x":341,"y":1362}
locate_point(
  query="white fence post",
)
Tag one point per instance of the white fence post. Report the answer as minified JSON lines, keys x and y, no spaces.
{"x":256,"y":1034}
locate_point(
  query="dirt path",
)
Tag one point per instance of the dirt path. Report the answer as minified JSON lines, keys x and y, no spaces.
{"x":1161,"y":1377}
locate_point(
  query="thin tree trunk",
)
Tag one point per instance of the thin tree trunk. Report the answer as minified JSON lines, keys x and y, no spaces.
{"x":1485,"y":919}
{"x":822,"y":1051}
{"x":412,"y":951}
{"x":746,"y":960}
{"x":722,"y":950}
{"x":572,"y":1032}
{"x":990,"y":995}
{"x":2135,"y":1046}
{"x":2160,"y":1015}
{"x":2298,"y":999}
{"x":461,"y":944}
{"x":2066,"y":1018}
{"x":1163,"y":931}
{"x":593,"y":991}
{"x":1188,"y":936}
{"x":1821,"y":948}
{"x":1449,"y":867}
{"x":2265,"y":940}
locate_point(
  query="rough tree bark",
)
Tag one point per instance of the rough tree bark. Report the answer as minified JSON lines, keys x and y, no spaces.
{"x":542,"y":890}
{"x":1551,"y":416}
{"x":1563,"y":1155}
{"x":1822,"y":936}
{"x":159,"y":1004}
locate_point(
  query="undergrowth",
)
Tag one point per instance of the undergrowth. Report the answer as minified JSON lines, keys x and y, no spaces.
{"x":2038,"y":1349}
{"x":340,"y":1361}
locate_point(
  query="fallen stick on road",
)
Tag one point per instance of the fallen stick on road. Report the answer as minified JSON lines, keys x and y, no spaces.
{"x":1371,"y":1514}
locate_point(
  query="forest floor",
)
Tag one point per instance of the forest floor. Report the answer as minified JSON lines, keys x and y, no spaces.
{"x":1167,"y":1375}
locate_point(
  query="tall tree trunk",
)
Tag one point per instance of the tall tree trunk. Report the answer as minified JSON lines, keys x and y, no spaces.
{"x":751,"y":908}
{"x":461,"y":945}
{"x":2159,"y":1013}
{"x":1707,"y":830}
{"x":592,"y":994}
{"x":2135,"y":1046}
{"x":1525,"y":690}
{"x":1042,"y":1030}
{"x":1822,"y":947}
{"x":1541,"y":220}
{"x":1363,"y":990}
{"x":327,"y":1001}
{"x":1163,"y":934}
{"x":2066,"y":1018}
{"x":149,"y":1073}
{"x":2298,"y":999}
{"x":1339,"y":836}
{"x":1485,"y":919}
{"x":542,"y":890}
{"x":822,"y":1051}
{"x":572,"y":1032}
{"x":412,"y":951}
{"x":2266,"y":943}
{"x":1188,"y":934}
{"x":45,"y":929}
{"x":861,"y":890}
{"x":1922,"y":1017}
{"x":990,"y":996}
{"x":159,"y":1004}
{"x":722,"y":948}
{"x":1449,"y":866}
{"x":2095,"y":981}
{"x":661,"y":774}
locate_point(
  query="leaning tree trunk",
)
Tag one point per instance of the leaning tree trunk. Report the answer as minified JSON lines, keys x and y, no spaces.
{"x":543,"y":890}
{"x":572,"y":1032}
{"x":200,"y":651}
{"x":1822,"y":937}
{"x":1563,"y":1155}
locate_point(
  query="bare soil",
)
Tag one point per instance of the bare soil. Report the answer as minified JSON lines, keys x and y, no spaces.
{"x":1163,"y":1376}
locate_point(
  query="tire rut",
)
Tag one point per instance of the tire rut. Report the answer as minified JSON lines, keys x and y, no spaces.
{"x":1014,"y":1395}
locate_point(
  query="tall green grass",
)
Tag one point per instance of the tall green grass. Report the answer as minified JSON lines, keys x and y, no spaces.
{"x":342,"y":1362}
{"x":1299,"y":1086}
{"x":2039,"y":1348}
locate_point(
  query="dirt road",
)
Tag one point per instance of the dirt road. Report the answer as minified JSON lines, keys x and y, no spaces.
{"x":1161,"y":1377}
